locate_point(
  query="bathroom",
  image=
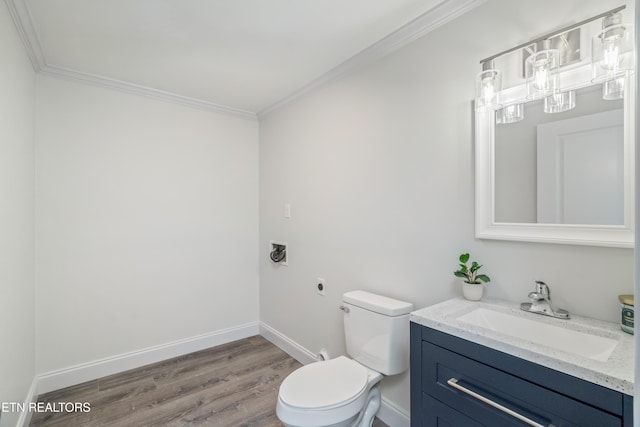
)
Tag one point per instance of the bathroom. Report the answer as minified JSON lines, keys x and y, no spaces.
{"x":124,"y":229}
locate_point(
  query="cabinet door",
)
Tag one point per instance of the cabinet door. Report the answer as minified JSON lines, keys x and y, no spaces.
{"x":495,"y":398}
{"x":437,"y":414}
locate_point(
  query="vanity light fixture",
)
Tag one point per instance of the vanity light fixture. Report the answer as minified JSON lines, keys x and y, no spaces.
{"x":613,"y":89}
{"x":542,"y":72}
{"x":488,"y":87}
{"x":510,"y":114}
{"x":612,"y":57}
{"x":560,"y":102}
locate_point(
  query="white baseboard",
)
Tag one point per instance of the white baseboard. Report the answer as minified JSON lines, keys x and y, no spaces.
{"x":392,"y":416}
{"x":32,"y":396}
{"x":66,"y":377}
{"x":389,"y":413}
{"x":287,"y":345}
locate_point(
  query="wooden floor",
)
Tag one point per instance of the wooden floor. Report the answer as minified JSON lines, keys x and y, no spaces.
{"x":235,"y":384}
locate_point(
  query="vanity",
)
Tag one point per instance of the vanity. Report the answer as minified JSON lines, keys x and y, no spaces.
{"x":488,"y":363}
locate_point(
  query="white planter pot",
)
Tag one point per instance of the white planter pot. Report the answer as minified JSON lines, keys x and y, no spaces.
{"x":472,"y":292}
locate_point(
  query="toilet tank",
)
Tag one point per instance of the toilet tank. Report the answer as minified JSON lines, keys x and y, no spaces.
{"x":377,"y":331}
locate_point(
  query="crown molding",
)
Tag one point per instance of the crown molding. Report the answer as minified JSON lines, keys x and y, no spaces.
{"x":413,"y":30}
{"x":145,"y":91}
{"x":22,"y":19}
{"x":425,"y":23}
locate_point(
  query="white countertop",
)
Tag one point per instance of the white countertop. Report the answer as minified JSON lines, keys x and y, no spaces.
{"x":615,"y":373}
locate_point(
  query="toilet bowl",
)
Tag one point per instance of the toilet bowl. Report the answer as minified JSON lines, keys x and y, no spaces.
{"x":338,"y":393}
{"x":344,"y":392}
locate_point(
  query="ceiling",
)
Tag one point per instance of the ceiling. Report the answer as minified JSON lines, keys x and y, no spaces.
{"x":240,"y":56}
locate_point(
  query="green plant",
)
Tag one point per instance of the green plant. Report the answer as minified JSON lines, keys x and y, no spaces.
{"x":470,"y":274}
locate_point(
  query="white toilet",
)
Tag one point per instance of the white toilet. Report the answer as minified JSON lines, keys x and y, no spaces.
{"x":345,"y":392}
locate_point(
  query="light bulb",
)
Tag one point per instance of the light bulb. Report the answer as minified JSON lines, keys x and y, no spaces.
{"x":541,"y":78}
{"x":610,"y":56}
{"x":488,"y":86}
{"x":541,"y":72}
{"x":612,"y":50}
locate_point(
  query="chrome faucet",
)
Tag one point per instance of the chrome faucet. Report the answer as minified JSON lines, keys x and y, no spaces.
{"x":541,"y":302}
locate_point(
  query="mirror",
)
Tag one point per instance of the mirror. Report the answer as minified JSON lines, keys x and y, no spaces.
{"x":559,"y":178}
{"x":564,"y":168}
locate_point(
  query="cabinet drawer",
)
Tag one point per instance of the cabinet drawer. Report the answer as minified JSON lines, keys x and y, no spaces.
{"x":523,"y":397}
{"x":437,"y":414}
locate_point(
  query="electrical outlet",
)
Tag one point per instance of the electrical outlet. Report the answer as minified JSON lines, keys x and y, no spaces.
{"x":321,"y":287}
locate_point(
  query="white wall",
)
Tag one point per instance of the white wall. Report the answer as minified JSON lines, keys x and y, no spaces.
{"x":378,"y":168}
{"x":17,"y":113}
{"x":146,"y":223}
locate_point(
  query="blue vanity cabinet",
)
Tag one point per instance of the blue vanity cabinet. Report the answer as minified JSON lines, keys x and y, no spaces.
{"x":458,"y":383}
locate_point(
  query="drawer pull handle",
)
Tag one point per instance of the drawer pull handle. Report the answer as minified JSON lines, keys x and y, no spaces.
{"x":453,"y":382}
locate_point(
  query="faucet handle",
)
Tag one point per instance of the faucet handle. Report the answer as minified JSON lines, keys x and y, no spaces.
{"x":542,"y":288}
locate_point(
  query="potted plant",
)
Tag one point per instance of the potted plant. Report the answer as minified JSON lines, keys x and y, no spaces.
{"x":472,"y":284}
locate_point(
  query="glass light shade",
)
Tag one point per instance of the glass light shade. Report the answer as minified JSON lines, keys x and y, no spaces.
{"x":541,"y":73}
{"x":613,"y":89}
{"x":612,"y":54}
{"x":510,"y":114}
{"x":560,"y":102}
{"x":488,"y":87}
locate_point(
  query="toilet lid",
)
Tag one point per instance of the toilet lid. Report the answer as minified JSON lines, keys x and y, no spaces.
{"x":324,"y":384}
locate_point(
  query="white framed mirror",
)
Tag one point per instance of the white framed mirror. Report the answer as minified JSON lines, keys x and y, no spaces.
{"x":558,"y":178}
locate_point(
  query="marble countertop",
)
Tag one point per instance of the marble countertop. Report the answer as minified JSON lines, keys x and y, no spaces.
{"x":615,"y":373}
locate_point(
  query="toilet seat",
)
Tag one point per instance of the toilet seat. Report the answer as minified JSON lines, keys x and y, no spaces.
{"x":325,"y":385}
{"x":330,"y":393}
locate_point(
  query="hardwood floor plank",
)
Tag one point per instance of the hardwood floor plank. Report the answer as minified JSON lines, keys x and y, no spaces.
{"x":160,"y":402}
{"x":231,"y":385}
{"x":223,"y":400}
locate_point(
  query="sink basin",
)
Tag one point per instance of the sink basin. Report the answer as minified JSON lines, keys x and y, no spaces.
{"x":560,"y":338}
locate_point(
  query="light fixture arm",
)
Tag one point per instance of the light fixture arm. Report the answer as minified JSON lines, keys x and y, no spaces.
{"x":555,"y":33}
